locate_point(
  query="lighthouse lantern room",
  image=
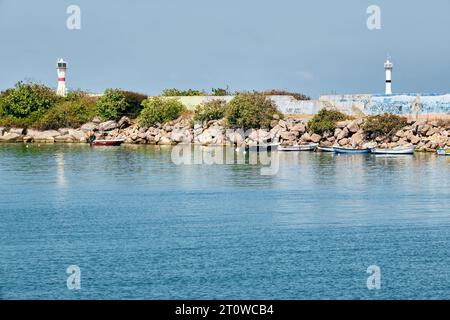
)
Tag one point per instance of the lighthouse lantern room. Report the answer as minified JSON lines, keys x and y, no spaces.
{"x":61,"y":67}
{"x":388,"y":66}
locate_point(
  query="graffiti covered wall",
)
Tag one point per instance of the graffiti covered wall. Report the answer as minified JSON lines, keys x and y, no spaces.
{"x":353,"y":104}
{"x":403,"y":104}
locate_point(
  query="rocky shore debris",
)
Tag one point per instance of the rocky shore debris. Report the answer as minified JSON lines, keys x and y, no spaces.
{"x":426,"y":136}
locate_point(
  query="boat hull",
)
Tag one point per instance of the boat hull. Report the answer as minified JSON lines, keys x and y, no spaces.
{"x":303,"y":148}
{"x":351,"y":151}
{"x":443,"y":152}
{"x":323,"y":149}
{"x":394,"y":151}
{"x":262,"y":148}
{"x":107,"y":143}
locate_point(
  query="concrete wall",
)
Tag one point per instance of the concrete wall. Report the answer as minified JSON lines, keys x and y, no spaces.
{"x":353,"y":104}
{"x":402,"y":104}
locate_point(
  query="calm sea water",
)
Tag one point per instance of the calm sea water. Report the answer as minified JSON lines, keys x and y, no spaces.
{"x":141,"y":227}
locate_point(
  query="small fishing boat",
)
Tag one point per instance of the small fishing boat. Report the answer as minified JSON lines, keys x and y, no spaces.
{"x":351,"y":150}
{"x":395,"y":151}
{"x":325,"y":149}
{"x":299,"y":148}
{"x":262,"y":147}
{"x":107,"y":143}
{"x":444,"y":152}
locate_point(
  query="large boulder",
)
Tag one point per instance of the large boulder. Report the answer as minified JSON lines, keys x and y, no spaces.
{"x":342,"y":124}
{"x":342,"y":134}
{"x":414,"y":140}
{"x":211,"y":136}
{"x":235,"y":137}
{"x":65,"y":139}
{"x":353,"y":126}
{"x":180,"y":135}
{"x":344,"y":142}
{"x":423,"y":129}
{"x":306,"y":137}
{"x":11,"y":137}
{"x":63,"y":131}
{"x":90,"y":126}
{"x":316,"y":138}
{"x":96,"y":120}
{"x":124,"y":122}
{"x":165,"y":141}
{"x":357,"y":139}
{"x":47,"y":136}
{"x":299,"y":127}
{"x":19,"y":131}
{"x":51,"y":133}
{"x":78,"y":135}
{"x":108,"y":125}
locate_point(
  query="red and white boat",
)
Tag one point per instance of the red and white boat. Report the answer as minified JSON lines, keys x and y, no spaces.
{"x":108,"y":143}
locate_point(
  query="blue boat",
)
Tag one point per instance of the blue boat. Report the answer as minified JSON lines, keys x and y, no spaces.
{"x":443,"y":152}
{"x":351,"y":150}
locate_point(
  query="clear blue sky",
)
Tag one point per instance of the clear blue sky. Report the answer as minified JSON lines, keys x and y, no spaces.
{"x":315,"y":47}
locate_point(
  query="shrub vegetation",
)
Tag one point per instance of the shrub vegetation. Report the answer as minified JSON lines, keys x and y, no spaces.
{"x":297,"y":96}
{"x":251,"y":110}
{"x":24,"y":104}
{"x":116,"y":103}
{"x":77,"y":109}
{"x":160,"y":110}
{"x":182,"y":93}
{"x":211,"y":110}
{"x":384,"y":125}
{"x":326,"y":120}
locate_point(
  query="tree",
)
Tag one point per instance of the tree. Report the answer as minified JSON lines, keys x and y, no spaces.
{"x":27,"y":99}
{"x":251,"y":110}
{"x":326,"y":120}
{"x":210,"y":110}
{"x":160,"y":110}
{"x":116,"y":103}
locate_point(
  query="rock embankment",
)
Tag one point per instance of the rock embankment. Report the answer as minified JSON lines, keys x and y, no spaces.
{"x":426,"y":136}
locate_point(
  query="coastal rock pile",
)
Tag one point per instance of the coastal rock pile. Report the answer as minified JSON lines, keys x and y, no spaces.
{"x":426,"y":136}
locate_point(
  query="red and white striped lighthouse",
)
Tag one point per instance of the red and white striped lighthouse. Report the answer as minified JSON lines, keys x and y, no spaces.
{"x":61,"y":67}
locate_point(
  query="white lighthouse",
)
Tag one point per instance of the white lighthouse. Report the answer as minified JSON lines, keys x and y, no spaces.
{"x":61,"y":67}
{"x":388,"y":66}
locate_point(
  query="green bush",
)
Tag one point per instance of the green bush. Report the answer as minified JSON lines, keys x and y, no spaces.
{"x":182,"y":93}
{"x":116,"y":103}
{"x":160,"y":110}
{"x":297,"y":96}
{"x":78,"y":109}
{"x":219,"y":92}
{"x":384,"y":125}
{"x":26,"y":101}
{"x":211,"y":110}
{"x":251,"y":110}
{"x":326,"y":120}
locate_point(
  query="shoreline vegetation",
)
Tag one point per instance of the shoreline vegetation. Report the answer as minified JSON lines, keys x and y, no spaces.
{"x":33,"y":113}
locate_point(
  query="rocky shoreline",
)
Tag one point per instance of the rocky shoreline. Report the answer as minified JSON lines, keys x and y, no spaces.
{"x":425,"y":136}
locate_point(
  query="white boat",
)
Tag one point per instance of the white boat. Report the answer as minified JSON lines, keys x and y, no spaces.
{"x":299,"y":148}
{"x":262,"y":147}
{"x":325,"y":149}
{"x":395,"y":151}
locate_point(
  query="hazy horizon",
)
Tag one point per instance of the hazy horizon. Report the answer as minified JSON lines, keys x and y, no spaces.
{"x":313,"y":48}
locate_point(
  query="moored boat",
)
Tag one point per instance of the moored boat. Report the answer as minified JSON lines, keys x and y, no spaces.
{"x":395,"y":151}
{"x":325,"y":149}
{"x":299,"y":148}
{"x":107,"y":143}
{"x":262,"y":147}
{"x":443,"y":152}
{"x":351,"y":150}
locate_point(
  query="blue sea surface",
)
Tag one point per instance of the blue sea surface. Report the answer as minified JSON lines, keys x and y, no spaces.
{"x":141,"y":227}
